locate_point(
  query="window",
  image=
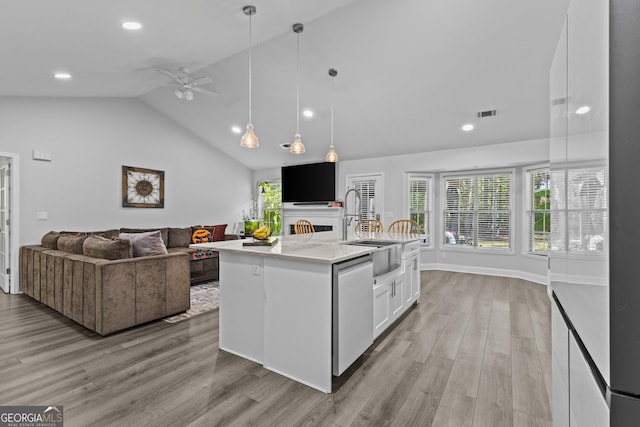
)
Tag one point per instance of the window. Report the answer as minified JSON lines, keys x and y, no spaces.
{"x":271,"y":193}
{"x":477,"y":211}
{"x":370,"y":189}
{"x":538,"y":210}
{"x":420,"y":202}
{"x":579,"y":222}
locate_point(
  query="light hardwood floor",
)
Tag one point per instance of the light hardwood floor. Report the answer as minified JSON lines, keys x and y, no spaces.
{"x":475,"y":352}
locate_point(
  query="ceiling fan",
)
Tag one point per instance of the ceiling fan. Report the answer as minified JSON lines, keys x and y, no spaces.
{"x":187,"y":85}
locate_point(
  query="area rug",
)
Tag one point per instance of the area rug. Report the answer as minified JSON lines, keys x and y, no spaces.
{"x":204,"y":298}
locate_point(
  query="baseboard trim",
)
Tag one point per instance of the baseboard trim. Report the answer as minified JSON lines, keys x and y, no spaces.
{"x":516,"y":274}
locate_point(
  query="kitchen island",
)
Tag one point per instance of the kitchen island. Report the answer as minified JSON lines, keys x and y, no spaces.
{"x":279,"y":304}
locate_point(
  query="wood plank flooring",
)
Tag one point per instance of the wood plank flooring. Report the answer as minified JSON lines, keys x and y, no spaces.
{"x":475,"y":352}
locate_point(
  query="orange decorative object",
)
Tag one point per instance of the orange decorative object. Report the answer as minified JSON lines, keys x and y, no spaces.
{"x":201,"y":236}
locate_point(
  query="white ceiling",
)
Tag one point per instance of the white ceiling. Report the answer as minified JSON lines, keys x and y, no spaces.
{"x":410,"y":72}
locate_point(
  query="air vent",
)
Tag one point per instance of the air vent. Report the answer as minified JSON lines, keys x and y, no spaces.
{"x":487,"y":113}
{"x":558,"y":101}
{"x":285,"y":146}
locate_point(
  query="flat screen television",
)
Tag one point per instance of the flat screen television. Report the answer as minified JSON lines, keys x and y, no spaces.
{"x":309,"y":183}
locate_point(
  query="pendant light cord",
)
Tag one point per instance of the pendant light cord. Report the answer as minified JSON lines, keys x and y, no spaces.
{"x":298,"y":85}
{"x":250,"y":65}
{"x":332,"y":111}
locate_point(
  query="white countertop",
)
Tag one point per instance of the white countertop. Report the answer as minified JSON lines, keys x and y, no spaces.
{"x":325,"y":247}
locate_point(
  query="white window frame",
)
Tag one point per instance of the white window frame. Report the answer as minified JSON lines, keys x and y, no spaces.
{"x":378,"y":204}
{"x":428,"y":236}
{"x":529,"y":212}
{"x":474,"y":247}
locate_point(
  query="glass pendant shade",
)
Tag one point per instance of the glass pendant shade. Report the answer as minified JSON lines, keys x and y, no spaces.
{"x":332,"y":156}
{"x":249,"y":139}
{"x":297,"y":147}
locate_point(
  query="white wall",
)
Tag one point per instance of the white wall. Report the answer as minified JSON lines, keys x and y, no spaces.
{"x":90,"y":139}
{"x":509,"y":155}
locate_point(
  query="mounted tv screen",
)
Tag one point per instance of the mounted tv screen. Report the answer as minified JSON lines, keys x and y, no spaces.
{"x":310,"y":183}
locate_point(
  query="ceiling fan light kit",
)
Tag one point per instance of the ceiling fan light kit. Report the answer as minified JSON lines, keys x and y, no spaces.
{"x":297,"y":147}
{"x":249,"y":139}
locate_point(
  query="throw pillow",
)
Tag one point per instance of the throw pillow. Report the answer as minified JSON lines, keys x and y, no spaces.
{"x":145,"y":244}
{"x":101,"y":247}
{"x":218,"y":231}
{"x":50,"y":240}
{"x":71,"y":243}
{"x":179,"y":237}
{"x":202,"y":234}
{"x":164,"y":232}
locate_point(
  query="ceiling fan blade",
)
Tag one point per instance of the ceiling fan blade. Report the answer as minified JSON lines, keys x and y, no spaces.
{"x":169,"y":73}
{"x":205,"y":91}
{"x":202,"y":80}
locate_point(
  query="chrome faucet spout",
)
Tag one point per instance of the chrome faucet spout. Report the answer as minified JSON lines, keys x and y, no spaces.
{"x":346,"y":221}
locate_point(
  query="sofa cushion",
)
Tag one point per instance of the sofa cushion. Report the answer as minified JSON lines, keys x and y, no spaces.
{"x":104,"y":233}
{"x":71,"y":243}
{"x":50,"y":240}
{"x":164,"y":232}
{"x":218,"y":231}
{"x":148,"y":243}
{"x":202,"y":234}
{"x":179,"y":237}
{"x":101,"y":247}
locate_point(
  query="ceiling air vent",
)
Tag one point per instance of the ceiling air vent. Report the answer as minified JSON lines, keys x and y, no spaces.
{"x":285,"y":145}
{"x":487,"y":113}
{"x":558,"y":101}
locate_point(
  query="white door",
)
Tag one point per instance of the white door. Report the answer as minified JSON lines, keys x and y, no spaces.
{"x":4,"y":230}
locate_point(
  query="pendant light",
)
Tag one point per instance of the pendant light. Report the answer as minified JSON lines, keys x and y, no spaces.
{"x":297,"y":147}
{"x":332,"y":156}
{"x":249,"y":139}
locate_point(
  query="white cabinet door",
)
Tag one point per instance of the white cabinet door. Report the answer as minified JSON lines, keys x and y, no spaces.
{"x":395,"y":297}
{"x":588,"y":407}
{"x":407,"y":283}
{"x":380,"y":308}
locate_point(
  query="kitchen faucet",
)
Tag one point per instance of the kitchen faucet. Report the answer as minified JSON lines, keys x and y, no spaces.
{"x":346,"y":221}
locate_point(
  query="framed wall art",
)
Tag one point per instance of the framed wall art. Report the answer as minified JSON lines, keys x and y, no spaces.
{"x":142,"y":188}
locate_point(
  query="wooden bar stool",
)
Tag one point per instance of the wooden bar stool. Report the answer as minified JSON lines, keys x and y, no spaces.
{"x":404,"y":226}
{"x":303,"y":226}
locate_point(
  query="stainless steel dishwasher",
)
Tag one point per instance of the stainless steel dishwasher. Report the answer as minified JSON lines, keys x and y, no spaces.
{"x":352,"y":311}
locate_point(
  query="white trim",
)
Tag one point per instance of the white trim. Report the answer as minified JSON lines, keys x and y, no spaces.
{"x":432,"y":210}
{"x":14,"y":219}
{"x":516,"y":274}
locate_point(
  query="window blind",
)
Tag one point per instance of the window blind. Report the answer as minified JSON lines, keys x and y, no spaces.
{"x":420,"y":201}
{"x":538,"y":210}
{"x":477,"y":211}
{"x":579,"y":205}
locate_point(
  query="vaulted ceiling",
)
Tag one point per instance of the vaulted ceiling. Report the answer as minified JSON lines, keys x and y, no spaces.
{"x":410,"y":72}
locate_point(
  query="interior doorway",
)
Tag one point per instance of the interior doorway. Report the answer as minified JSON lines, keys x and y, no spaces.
{"x":8,"y":237}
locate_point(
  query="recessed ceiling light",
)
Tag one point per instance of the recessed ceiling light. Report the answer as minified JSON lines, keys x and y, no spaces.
{"x":583,"y":110}
{"x":132,"y":25}
{"x":307,"y":113}
{"x":467,"y":127}
{"x":236,"y":129}
{"x":62,"y":76}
